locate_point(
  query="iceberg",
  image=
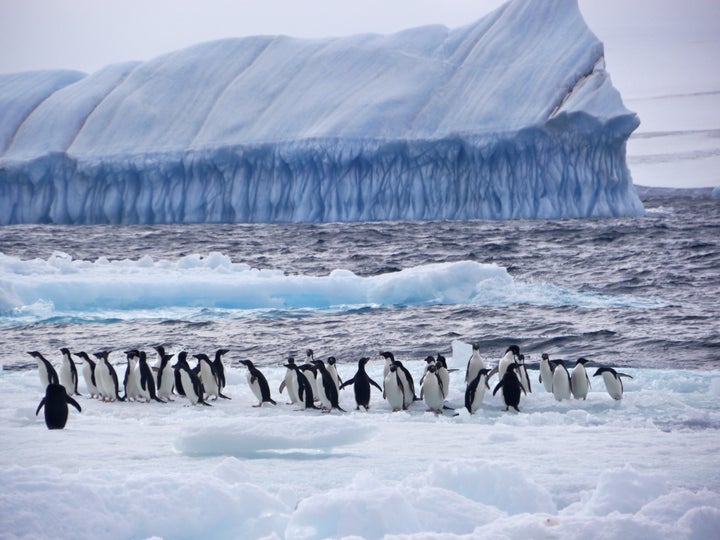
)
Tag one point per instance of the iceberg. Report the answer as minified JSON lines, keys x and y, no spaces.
{"x":513,"y":116}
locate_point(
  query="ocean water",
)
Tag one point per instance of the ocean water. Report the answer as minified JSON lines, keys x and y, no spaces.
{"x":638,"y":292}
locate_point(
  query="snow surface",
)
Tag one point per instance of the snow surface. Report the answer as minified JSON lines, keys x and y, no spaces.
{"x":512,"y":116}
{"x":644,"y":467}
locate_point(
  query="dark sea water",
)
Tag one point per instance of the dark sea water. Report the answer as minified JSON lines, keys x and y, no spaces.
{"x":664,"y":266}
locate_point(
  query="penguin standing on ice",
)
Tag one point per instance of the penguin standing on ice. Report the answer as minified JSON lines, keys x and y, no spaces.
{"x":188,"y":381}
{"x":46,"y":370}
{"x":131,"y":380}
{"x":220,"y":370}
{"x":310,"y":370}
{"x":361,"y":382}
{"x":108,"y":379}
{"x":165,"y":374}
{"x":429,"y":361}
{"x":546,"y":372}
{"x":147,"y":380}
{"x":327,"y":391}
{"x":579,"y":380}
{"x":300,"y":381}
{"x":561,"y":381}
{"x":258,"y":384}
{"x":88,"y":371}
{"x":474,"y":365}
{"x":68,"y":373}
{"x":444,"y":373}
{"x":613,"y":382}
{"x":511,"y":388}
{"x":393,"y":389}
{"x":523,"y":374}
{"x":56,"y":406}
{"x":290,"y":381}
{"x":208,"y":377}
{"x":433,"y":391}
{"x":475,"y":391}
{"x":408,"y":385}
{"x":332,"y":370}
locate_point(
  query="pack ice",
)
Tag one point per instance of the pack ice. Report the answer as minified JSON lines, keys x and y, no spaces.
{"x":513,"y":116}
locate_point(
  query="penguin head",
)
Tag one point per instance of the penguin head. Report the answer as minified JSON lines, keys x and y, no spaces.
{"x":247,"y":363}
{"x":604,"y":369}
{"x":430,"y":359}
{"x":65,"y":351}
{"x":331,"y":360}
{"x":291,"y":360}
{"x":441,"y":361}
{"x":363,"y":361}
{"x":309,"y":353}
{"x":515,"y":350}
{"x":159,"y":349}
{"x":220,"y":352}
{"x":545,"y":356}
{"x":432,"y":368}
{"x":581,"y":361}
{"x":387,"y":355}
{"x":476,"y":346}
{"x":56,"y":391}
{"x":101,"y":355}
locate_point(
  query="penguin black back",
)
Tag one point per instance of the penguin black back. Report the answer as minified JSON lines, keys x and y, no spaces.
{"x":56,"y":406}
{"x":511,"y":388}
{"x":361,"y":385}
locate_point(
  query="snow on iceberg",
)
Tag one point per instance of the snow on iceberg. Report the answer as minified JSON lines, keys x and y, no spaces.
{"x":513,"y":116}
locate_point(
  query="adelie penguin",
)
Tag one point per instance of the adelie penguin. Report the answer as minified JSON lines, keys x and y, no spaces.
{"x":165,"y":374}
{"x":88,"y":371}
{"x":475,"y":391}
{"x":188,"y":381}
{"x":433,"y":391}
{"x":332,"y":370}
{"x":327,"y":391}
{"x":68,"y":373}
{"x":393,"y":389}
{"x":258,"y":384}
{"x":511,"y":388}
{"x":56,"y":406}
{"x":107,"y":379}
{"x":208,"y":377}
{"x":546,"y":372}
{"x":290,"y":381}
{"x":561,"y":381}
{"x":474,"y":365}
{"x":299,"y":380}
{"x":220,"y":370}
{"x":361,"y":382}
{"x":46,"y":370}
{"x":613,"y":382}
{"x":408,"y":384}
{"x":147,"y":380}
{"x":579,"y":380}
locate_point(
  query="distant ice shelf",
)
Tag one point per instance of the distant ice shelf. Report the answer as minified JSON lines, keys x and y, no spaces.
{"x":513,"y":116}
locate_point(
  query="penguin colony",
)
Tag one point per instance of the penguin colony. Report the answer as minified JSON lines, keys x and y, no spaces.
{"x":314,"y":384}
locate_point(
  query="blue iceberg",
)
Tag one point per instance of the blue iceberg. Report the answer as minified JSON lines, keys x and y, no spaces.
{"x":513,"y":116}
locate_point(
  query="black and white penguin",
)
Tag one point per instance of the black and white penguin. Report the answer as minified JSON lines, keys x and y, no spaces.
{"x":546,"y":372}
{"x":433,"y":391}
{"x":258,"y":384}
{"x":56,"y":406}
{"x":311,"y":373}
{"x":361,"y":382}
{"x":290,"y":381}
{"x":298,"y":380}
{"x":47,"y":372}
{"x":393,"y":389}
{"x":165,"y":374}
{"x":613,"y":382}
{"x":107,"y":379}
{"x":68,"y":373}
{"x":147,"y":380}
{"x":579,"y":380}
{"x":327,"y":391}
{"x":219,"y":368}
{"x":444,"y":373}
{"x":88,"y":371}
{"x":511,"y":388}
{"x":131,"y":379}
{"x":408,"y":382}
{"x":332,"y":370}
{"x":561,"y":381}
{"x":475,"y":391}
{"x":208,"y":377}
{"x":429,"y":361}
{"x":523,"y":374}
{"x":188,"y":381}
{"x":474,"y":365}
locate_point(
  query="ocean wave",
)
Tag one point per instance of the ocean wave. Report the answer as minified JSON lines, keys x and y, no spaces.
{"x":210,"y":286}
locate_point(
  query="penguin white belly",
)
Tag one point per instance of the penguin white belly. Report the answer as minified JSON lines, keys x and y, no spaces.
{"x":393,"y":392}
{"x":479,"y":394}
{"x":322,"y":395}
{"x":546,"y":375}
{"x":254,"y":386}
{"x":66,"y":378}
{"x":432,"y":393}
{"x":167,"y":382}
{"x":104,"y":383}
{"x":207,"y":378}
{"x":132,"y":388}
{"x":579,"y":383}
{"x":87,"y":375}
{"x":291,"y":383}
{"x":188,"y":387}
{"x":505,"y":361}
{"x":561,"y":384}
{"x":613,"y":385}
{"x":444,"y":375}
{"x":408,"y":396}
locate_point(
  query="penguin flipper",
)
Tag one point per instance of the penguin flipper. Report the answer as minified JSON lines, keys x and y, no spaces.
{"x":74,"y":403}
{"x":42,"y":402}
{"x":624,"y":375}
{"x":499,"y":385}
{"x":282,"y":387}
{"x":347,"y":383}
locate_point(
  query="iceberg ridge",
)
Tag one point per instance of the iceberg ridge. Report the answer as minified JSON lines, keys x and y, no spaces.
{"x":513,"y":116}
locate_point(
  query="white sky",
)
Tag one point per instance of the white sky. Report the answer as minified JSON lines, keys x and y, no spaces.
{"x":653,"y":47}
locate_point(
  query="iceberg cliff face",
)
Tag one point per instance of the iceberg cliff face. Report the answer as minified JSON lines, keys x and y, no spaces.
{"x":513,"y":116}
